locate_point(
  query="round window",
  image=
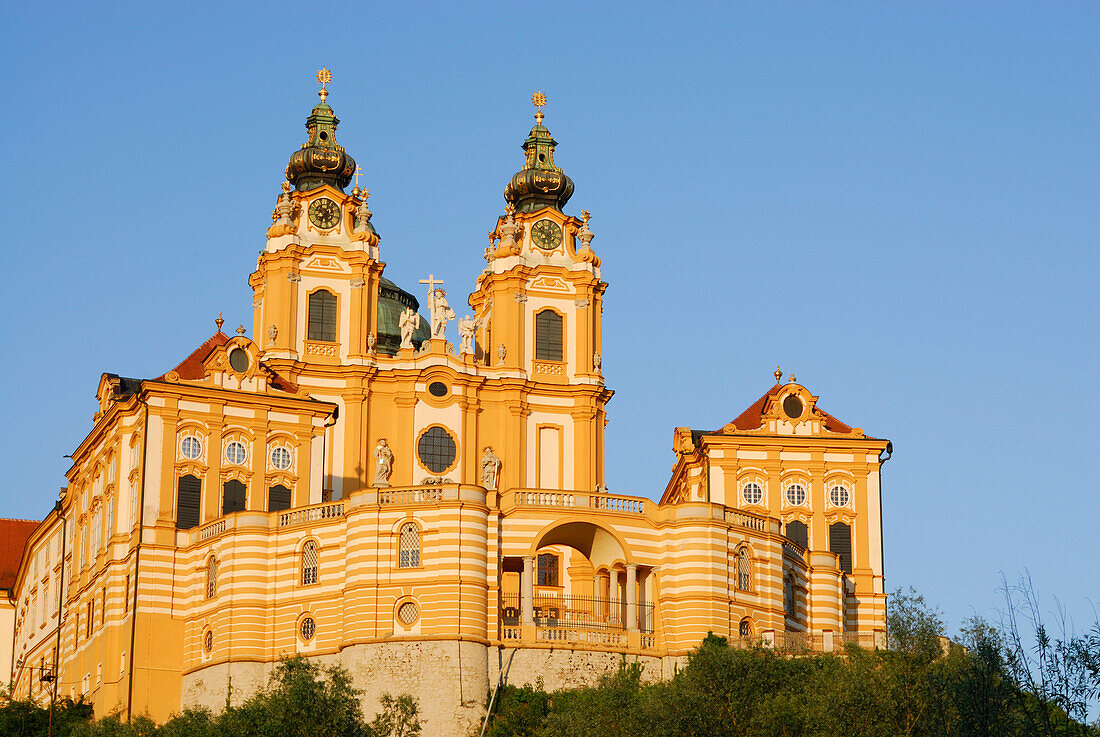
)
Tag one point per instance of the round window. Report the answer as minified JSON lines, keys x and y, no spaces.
{"x":437,"y":389}
{"x":408,"y":612}
{"x":238,"y":360}
{"x":792,"y":405}
{"x":280,"y":458}
{"x":796,"y":494}
{"x":307,"y":629}
{"x":752,"y":492}
{"x":191,"y":447}
{"x":235,"y":452}
{"x":839,"y":496}
{"x":208,"y":640}
{"x":436,"y":449}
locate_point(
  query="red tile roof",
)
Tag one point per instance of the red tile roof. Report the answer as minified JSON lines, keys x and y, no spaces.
{"x":13,"y":537}
{"x":751,"y":418}
{"x":192,"y":366}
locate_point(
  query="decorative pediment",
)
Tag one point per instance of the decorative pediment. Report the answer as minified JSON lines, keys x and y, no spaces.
{"x":789,"y":409}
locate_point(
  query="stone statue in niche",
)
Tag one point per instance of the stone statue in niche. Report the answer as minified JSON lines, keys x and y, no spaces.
{"x":466,"y":328}
{"x":384,"y":456}
{"x":408,"y":322}
{"x":597,"y":362}
{"x":272,"y":334}
{"x":490,"y":469}
{"x":440,"y":310}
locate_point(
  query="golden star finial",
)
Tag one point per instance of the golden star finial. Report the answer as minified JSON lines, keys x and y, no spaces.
{"x":324,"y":76}
{"x":539,"y":101}
{"x":585,"y":215}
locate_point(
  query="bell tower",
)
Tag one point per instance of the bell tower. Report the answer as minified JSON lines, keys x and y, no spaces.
{"x":316,"y":284}
{"x":539,"y":306}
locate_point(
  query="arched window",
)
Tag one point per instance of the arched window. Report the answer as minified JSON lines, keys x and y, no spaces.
{"x":409,"y":553}
{"x":548,"y":569}
{"x":744,"y":629}
{"x":548,"y":336}
{"x":211,"y":577}
{"x":798,"y":533}
{"x":309,"y":563}
{"x":788,"y":596}
{"x":188,"y":500}
{"x":322,"y":316}
{"x":233,"y":496}
{"x":278,"y":498}
{"x":840,"y":542}
{"x":744,"y":569}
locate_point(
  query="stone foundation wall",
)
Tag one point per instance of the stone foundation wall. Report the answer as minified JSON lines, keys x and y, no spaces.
{"x":449,"y":679}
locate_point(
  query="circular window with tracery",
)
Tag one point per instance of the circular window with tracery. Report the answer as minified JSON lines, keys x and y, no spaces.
{"x":235,"y":452}
{"x":839,"y":496}
{"x":191,"y":447}
{"x":436,"y":449}
{"x":208,"y":640}
{"x":307,"y":629}
{"x":280,"y":458}
{"x":796,"y":494}
{"x":408,"y":612}
{"x":752,"y":493}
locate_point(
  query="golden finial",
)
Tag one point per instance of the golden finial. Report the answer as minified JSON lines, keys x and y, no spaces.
{"x":219,"y":322}
{"x":585,"y":214}
{"x":286,"y":187}
{"x":778,"y":375}
{"x":324,"y":76}
{"x":358,"y":171}
{"x":539,"y":101}
{"x":240,"y":330}
{"x":364,"y":193}
{"x":792,"y":380}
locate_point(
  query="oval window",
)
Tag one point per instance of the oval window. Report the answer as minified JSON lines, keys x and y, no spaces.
{"x":436,"y":449}
{"x":792,"y":405}
{"x":238,"y":360}
{"x":437,"y":389}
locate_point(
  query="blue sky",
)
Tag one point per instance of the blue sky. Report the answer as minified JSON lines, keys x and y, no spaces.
{"x":897,"y":202}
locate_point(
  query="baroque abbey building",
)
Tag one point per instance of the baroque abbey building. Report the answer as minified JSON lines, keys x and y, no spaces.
{"x":369,"y":481}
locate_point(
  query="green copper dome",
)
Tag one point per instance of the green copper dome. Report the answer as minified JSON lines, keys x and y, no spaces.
{"x":392,"y":301}
{"x":320,"y":160}
{"x":539,"y":183}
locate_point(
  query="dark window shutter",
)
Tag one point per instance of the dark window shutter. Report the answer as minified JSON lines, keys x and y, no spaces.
{"x":548,"y":336}
{"x":797,"y":532}
{"x":322,"y":316}
{"x":188,"y":499}
{"x":233,"y":496}
{"x":278,"y":498}
{"x":840,"y":542}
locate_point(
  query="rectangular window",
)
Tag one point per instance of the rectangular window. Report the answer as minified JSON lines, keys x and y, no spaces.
{"x":548,"y":336}
{"x":840,"y":542}
{"x":133,"y":503}
{"x":233,"y":496}
{"x":322,"y":316}
{"x":188,"y":501}
{"x":548,"y":569}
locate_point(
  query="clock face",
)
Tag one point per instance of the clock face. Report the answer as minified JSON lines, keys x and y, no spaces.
{"x":324,"y":213}
{"x":546,"y":235}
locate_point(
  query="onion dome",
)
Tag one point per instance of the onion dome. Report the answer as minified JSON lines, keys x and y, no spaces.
{"x":320,"y":160}
{"x":539,"y":183}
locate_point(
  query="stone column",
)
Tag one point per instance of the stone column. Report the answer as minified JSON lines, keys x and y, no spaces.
{"x":527,"y":590}
{"x":613,"y":596}
{"x":595,"y":595}
{"x":631,"y":597}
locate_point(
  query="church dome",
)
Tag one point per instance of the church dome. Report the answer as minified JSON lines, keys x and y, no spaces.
{"x":392,"y":301}
{"x":539,"y":183}
{"x":320,"y":160}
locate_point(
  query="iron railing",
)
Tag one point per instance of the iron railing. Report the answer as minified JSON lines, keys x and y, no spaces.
{"x":587,"y":613}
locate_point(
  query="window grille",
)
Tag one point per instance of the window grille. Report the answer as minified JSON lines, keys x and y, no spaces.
{"x":233,"y":496}
{"x":548,"y":336}
{"x":840,"y":542}
{"x":278,"y":498}
{"x":409,"y":556}
{"x":211,"y":577}
{"x":839,"y":496}
{"x":548,"y":569}
{"x":322,"y":316}
{"x":208,"y":640}
{"x":436,"y":449}
{"x":280,"y":458}
{"x":744,"y":629}
{"x":796,"y":495}
{"x":744,"y":569}
{"x":408,"y":612}
{"x":752,"y":493}
{"x":235,"y":452}
{"x":188,"y":499}
{"x":308,"y":629}
{"x":309,"y":564}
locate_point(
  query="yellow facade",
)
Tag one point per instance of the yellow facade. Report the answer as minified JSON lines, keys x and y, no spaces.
{"x":242,"y":508}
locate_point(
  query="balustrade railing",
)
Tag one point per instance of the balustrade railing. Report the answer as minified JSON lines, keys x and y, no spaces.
{"x":605,"y":502}
{"x":794,"y":549}
{"x":211,"y":530}
{"x":311,"y":514}
{"x":588,"y":613}
{"x":743,"y":519}
{"x":410,"y":496}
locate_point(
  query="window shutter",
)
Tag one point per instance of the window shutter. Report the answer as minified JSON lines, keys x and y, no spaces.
{"x":278,"y":498}
{"x":797,"y":532}
{"x":188,"y":500}
{"x":840,"y":542}
{"x":233,"y":496}
{"x":322,"y":316}
{"x":548,"y":336}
